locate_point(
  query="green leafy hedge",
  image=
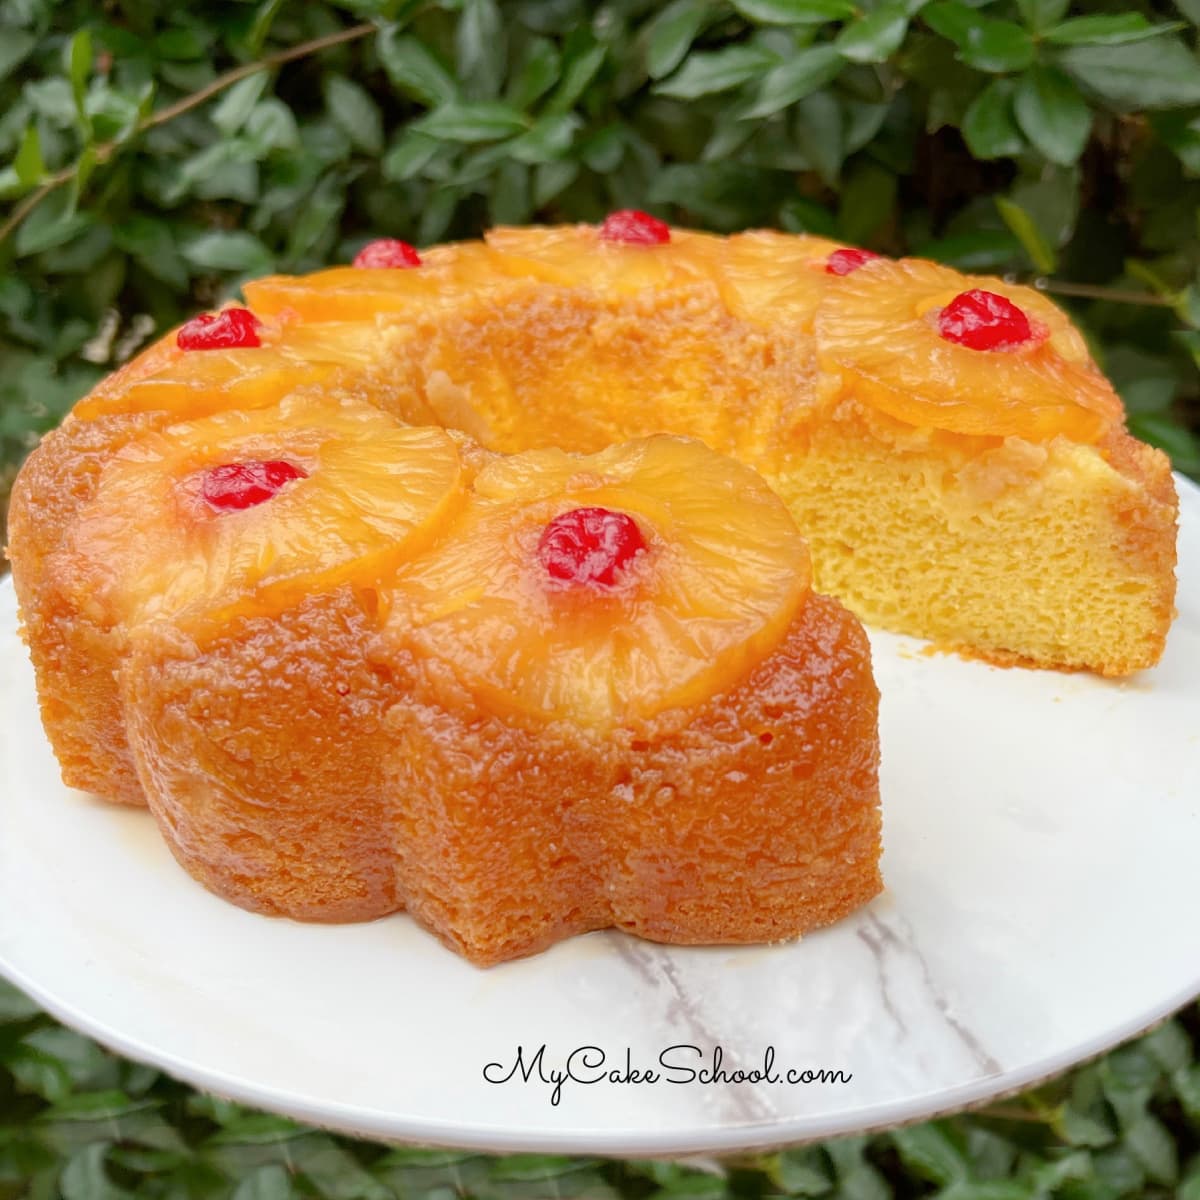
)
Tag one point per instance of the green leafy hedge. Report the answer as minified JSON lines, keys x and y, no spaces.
{"x":77,"y":1123}
{"x":157,"y":153}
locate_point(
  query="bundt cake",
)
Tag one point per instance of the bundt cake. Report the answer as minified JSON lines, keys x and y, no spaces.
{"x":354,"y":666}
{"x":428,"y":583}
{"x":957,"y":463}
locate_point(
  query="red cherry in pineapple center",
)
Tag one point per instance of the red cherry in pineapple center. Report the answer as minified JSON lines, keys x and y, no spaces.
{"x":983,"y":320}
{"x":848,"y":260}
{"x":244,"y":484}
{"x":589,"y":546}
{"x":387,"y":252}
{"x":231,"y":328}
{"x":632,"y":227}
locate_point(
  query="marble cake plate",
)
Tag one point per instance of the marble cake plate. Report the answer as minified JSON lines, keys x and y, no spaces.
{"x":1042,"y":836}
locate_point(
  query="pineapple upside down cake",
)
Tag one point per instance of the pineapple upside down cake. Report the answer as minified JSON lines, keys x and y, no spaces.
{"x":444,"y":581}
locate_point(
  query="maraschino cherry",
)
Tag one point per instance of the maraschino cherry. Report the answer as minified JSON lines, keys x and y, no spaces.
{"x":239,"y":485}
{"x":589,"y":546}
{"x":632,"y":227}
{"x":983,"y":320}
{"x":387,"y":253}
{"x":847,"y":260}
{"x":228,"y":329}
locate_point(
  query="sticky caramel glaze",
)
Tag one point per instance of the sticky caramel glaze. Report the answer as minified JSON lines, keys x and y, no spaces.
{"x":752,"y":818}
{"x":302,"y":766}
{"x":260,"y":753}
{"x":75,"y":651}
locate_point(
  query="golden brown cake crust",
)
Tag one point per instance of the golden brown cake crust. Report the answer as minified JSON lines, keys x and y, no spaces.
{"x":76,"y":652}
{"x":301,"y":766}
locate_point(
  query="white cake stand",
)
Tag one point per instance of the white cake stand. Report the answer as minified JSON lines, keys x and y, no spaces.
{"x":1042,"y":833}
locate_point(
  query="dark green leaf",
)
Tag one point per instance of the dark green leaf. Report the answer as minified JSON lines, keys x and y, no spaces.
{"x":550,"y":138}
{"x":84,"y":1177}
{"x":415,"y":69}
{"x":51,"y":223}
{"x":264,"y":18}
{"x":867,"y":201}
{"x":335,"y":1173}
{"x":551,"y":179}
{"x":604,"y":149}
{"x":535,"y":74}
{"x":1158,"y":74}
{"x":952,"y":19}
{"x":39,"y":1073}
{"x":271,"y":1182}
{"x":1052,"y":114}
{"x":795,"y":12}
{"x":671,"y":33}
{"x":704,"y":74}
{"x":1041,"y":14}
{"x":802,"y":74}
{"x":409,"y":156}
{"x":1082,"y":1129}
{"x":989,"y":127}
{"x":1181,"y":132}
{"x":28,"y":163}
{"x":1154,"y":1148}
{"x":15,"y":47}
{"x":800,"y":1172}
{"x":228,"y":250}
{"x":1187,"y":1087}
{"x":1107,"y":29}
{"x":79,"y":67}
{"x":83,"y":1060}
{"x":54,"y":100}
{"x":987,"y":1190}
{"x":355,"y":113}
{"x":437,"y":213}
{"x":269,"y":127}
{"x":235,"y":106}
{"x":1039,"y":250}
{"x":875,"y":37}
{"x":182,"y":44}
{"x":929,"y":1151}
{"x":481,"y":49}
{"x":997,"y":46}
{"x":150,"y":243}
{"x":318,"y":220}
{"x":1169,"y":1044}
{"x":817,"y":127}
{"x":582,"y":59}
{"x":482,"y":121}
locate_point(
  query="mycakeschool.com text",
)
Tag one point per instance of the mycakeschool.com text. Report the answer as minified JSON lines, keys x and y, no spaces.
{"x":681,"y":1064}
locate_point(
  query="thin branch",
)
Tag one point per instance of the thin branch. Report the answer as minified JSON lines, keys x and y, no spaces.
{"x":106,"y":149}
{"x":1088,"y":291}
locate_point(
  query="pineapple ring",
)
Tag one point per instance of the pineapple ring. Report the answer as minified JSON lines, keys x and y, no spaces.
{"x":196,"y":383}
{"x":723,"y":574}
{"x":367,"y":492}
{"x":877,"y":340}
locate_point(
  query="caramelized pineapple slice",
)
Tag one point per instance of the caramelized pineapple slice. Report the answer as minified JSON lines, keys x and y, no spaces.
{"x":971,"y":355}
{"x":245,"y":513}
{"x":587,"y":256}
{"x":603,"y":588}
{"x":445,"y":275}
{"x":776,"y":277}
{"x":285,"y":357}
